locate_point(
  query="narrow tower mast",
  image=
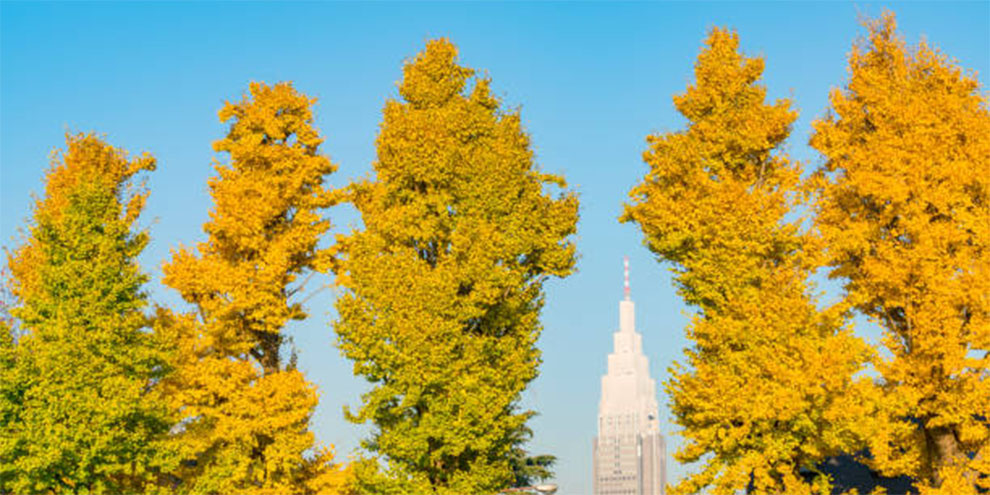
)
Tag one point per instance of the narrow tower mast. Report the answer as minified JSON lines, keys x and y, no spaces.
{"x":625,"y":276}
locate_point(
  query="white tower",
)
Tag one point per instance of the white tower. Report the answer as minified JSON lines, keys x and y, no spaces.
{"x":629,"y":451}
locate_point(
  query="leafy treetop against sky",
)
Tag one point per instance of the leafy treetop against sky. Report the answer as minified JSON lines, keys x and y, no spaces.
{"x":592,"y":80}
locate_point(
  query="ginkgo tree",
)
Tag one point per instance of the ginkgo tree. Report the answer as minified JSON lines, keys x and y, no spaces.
{"x":11,"y":391}
{"x":443,"y":284}
{"x":767,"y":390}
{"x":78,"y":407}
{"x":244,"y":406}
{"x":903,"y":204}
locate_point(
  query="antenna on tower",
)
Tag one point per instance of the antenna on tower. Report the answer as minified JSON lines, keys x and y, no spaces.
{"x":625,"y":274}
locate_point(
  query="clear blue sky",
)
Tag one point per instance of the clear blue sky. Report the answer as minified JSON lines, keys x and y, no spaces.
{"x":592,"y":79}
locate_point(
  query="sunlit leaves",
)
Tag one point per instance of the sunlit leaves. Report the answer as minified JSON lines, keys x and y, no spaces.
{"x":904,"y":208}
{"x":444,"y":281}
{"x":79,"y":415}
{"x":767,"y":390}
{"x":245,"y":409}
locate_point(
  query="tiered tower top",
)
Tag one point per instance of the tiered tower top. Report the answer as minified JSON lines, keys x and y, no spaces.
{"x":628,"y":401}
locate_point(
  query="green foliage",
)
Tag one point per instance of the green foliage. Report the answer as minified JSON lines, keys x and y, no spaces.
{"x":11,"y":402}
{"x":528,"y":470}
{"x":444,"y":284}
{"x":83,"y":419}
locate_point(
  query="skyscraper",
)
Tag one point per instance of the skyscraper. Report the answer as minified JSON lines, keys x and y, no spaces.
{"x":629,"y":452}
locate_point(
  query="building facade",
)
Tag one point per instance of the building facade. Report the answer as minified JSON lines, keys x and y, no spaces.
{"x":629,"y":453}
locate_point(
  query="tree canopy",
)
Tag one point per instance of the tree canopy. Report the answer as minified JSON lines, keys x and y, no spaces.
{"x":767,"y":391}
{"x":79,"y":415}
{"x":903,"y":205}
{"x":444,"y":282}
{"x":245,"y":407}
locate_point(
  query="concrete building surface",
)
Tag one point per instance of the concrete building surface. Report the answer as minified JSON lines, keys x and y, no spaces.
{"x":629,"y":453}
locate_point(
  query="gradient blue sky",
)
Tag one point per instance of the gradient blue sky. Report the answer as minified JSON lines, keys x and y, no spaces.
{"x":592,"y":80}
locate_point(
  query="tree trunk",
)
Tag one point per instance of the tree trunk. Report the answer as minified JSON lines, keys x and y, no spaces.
{"x":943,"y":450}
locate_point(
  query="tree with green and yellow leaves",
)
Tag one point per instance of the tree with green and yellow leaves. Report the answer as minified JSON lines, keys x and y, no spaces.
{"x":903,"y":204}
{"x":444,"y":282}
{"x":767,"y":390}
{"x":245,"y":408}
{"x":79,"y":413}
{"x":11,"y":393}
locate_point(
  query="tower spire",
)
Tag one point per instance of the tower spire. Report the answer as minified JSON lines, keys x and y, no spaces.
{"x":625,"y":274}
{"x":629,"y":452}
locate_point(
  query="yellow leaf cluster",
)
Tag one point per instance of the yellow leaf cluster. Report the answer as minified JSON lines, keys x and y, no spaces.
{"x":87,"y":163}
{"x":245,"y":412}
{"x":903,"y":205}
{"x":767,"y":391}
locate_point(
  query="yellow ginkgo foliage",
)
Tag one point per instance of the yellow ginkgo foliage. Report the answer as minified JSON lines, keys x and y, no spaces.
{"x":79,"y":410}
{"x":767,"y":391}
{"x":904,"y":207}
{"x":245,"y":407}
{"x":444,"y":283}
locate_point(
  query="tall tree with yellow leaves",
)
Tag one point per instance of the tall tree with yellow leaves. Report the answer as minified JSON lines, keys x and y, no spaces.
{"x":904,"y":207}
{"x":767,"y":392}
{"x":444,"y":284}
{"x":78,"y":412}
{"x":245,"y":407}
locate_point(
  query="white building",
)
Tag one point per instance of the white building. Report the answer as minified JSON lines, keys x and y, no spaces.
{"x":629,"y":452}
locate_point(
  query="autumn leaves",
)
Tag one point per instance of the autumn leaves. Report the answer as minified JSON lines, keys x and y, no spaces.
{"x":445,"y":283}
{"x":105,"y":399}
{"x":766,"y":386}
{"x":79,"y":413}
{"x":243,"y":407}
{"x":774,"y":382}
{"x":101,"y":391}
{"x":443,"y":289}
{"x":902,"y":207}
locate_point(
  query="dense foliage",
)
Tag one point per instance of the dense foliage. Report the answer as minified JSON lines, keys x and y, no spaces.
{"x":767,"y":391}
{"x":245,"y":407}
{"x":444,"y":284}
{"x":904,"y":210}
{"x":78,"y":413}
